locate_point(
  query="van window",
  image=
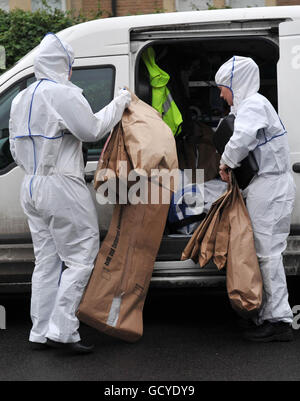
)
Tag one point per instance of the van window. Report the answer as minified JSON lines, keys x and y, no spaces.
{"x":98,"y":88}
{"x":97,"y":84}
{"x":5,"y":103}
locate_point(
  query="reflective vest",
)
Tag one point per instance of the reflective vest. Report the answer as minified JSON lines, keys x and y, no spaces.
{"x":162,"y":99}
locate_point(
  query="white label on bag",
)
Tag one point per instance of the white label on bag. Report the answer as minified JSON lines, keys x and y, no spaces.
{"x":2,"y":318}
{"x":114,"y":311}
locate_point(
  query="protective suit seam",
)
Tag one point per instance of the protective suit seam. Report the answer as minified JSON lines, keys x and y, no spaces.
{"x":69,"y":58}
{"x":273,"y":137}
{"x":232,"y":71}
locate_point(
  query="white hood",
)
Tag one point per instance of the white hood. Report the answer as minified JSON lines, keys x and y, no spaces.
{"x":241,"y":76}
{"x":54,"y":59}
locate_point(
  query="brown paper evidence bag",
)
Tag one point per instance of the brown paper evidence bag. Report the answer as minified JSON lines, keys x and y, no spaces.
{"x":114,"y":298}
{"x":226,"y":236}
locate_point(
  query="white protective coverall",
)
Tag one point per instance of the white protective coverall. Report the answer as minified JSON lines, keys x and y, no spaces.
{"x":270,"y":195}
{"x":48,"y":121}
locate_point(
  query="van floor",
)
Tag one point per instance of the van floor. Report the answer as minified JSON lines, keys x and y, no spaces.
{"x":171,"y":247}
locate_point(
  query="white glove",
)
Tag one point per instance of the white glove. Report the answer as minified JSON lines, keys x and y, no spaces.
{"x":127,"y":96}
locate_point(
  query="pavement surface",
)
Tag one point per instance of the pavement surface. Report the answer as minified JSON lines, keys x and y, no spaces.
{"x":189,"y":334}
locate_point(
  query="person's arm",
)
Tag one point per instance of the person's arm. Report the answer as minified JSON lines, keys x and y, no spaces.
{"x":78,"y":117}
{"x":250,"y":119}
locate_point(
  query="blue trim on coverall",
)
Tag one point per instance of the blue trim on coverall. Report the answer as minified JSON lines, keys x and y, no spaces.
{"x":69,"y":58}
{"x":29,"y":130}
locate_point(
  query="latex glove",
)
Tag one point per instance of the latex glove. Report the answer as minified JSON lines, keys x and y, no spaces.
{"x":124,"y":92}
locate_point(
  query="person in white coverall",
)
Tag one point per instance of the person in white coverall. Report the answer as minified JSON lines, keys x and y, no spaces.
{"x":48,"y":122}
{"x":270,"y":195}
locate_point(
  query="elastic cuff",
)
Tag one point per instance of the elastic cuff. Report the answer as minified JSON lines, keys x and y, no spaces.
{"x":284,"y":320}
{"x":226,"y":161}
{"x":260,"y":321}
{"x":37,"y":339}
{"x":65,"y":339}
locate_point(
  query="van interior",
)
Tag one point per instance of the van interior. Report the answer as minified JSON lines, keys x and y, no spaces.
{"x":192,"y":65}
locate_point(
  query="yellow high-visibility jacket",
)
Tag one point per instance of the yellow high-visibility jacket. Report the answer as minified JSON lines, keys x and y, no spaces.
{"x":162,"y":99}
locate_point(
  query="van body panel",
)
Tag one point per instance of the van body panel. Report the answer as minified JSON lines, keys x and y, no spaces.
{"x":12,"y":217}
{"x":288,"y":73}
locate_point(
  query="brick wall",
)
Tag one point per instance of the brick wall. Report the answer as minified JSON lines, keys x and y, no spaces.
{"x":288,"y":2}
{"x":124,"y":7}
{"x":127,"y":7}
{"x":92,"y":5}
{"x":133,"y":7}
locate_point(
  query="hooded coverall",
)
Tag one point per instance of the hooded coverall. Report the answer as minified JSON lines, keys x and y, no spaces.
{"x":270,"y":195}
{"x":48,"y":122}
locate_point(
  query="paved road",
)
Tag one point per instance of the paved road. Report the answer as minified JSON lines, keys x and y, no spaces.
{"x":188,"y":335}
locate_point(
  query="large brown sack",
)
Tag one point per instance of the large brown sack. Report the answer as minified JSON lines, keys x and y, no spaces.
{"x":143,"y":141}
{"x":200,"y":247}
{"x":226,"y":235}
{"x":208,"y":242}
{"x":114,"y":298}
{"x":113,"y":153}
{"x":149,"y":145}
{"x":243,"y":275}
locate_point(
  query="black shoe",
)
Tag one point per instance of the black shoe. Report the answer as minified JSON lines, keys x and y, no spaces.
{"x":79,"y":348}
{"x":38,"y":346}
{"x":246,"y":324}
{"x":74,"y":348}
{"x":268,"y":332}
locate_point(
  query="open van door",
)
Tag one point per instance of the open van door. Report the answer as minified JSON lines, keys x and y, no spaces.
{"x":288,"y":75}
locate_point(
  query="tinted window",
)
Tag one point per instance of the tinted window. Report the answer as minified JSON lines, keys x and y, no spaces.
{"x":30,"y":81}
{"x":98,"y":88}
{"x":97,"y":85}
{"x":5,"y":103}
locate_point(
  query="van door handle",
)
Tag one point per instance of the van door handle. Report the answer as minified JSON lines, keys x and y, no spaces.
{"x":296,"y":167}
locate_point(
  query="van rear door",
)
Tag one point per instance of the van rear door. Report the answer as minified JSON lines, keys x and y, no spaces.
{"x":288,"y":75}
